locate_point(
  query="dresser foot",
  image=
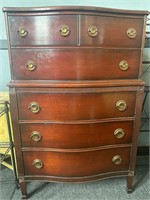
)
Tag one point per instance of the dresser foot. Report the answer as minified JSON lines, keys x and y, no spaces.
{"x":130,"y":184}
{"x":24,"y":197}
{"x":129,"y":190}
{"x":23,"y":189}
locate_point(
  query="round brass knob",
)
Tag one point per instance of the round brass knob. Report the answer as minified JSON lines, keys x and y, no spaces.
{"x":119,"y":133}
{"x":64,"y":30}
{"x":38,"y":164}
{"x":131,"y":33}
{"x":123,"y":65}
{"x":34,"y":107}
{"x":117,"y":160}
{"x":92,"y":31}
{"x":22,"y":32}
{"x":121,"y":105}
{"x":36,"y":136}
{"x":30,"y":65}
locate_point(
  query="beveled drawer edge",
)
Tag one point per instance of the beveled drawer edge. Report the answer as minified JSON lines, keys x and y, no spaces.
{"x":74,"y":84}
{"x":77,"y":179}
{"x":79,"y":150}
{"x":63,"y":47}
{"x":78,"y":90}
{"x":91,"y":121}
{"x":117,"y":15}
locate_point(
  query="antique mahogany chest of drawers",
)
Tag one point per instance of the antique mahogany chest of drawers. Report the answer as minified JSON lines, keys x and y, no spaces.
{"x":75,"y":92}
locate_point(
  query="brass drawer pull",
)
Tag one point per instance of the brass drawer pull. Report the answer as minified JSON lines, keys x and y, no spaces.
{"x":30,"y":65}
{"x":92,"y":31}
{"x":119,"y":133}
{"x":121,"y":105}
{"x":38,"y":164}
{"x":117,"y":160}
{"x":22,"y":32}
{"x":123,"y":65}
{"x":131,"y":32}
{"x":64,"y":30}
{"x":34,"y":107}
{"x":36,"y":136}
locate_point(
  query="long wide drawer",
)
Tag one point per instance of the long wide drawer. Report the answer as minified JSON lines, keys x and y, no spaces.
{"x":75,"y":106}
{"x":75,"y":64}
{"x":82,"y":135}
{"x":76,"y":164}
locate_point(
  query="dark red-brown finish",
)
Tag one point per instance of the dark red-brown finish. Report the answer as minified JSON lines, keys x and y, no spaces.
{"x":72,"y":64}
{"x":112,"y":31}
{"x":50,"y":35}
{"x":43,"y":30}
{"x":72,"y":9}
{"x":72,"y":164}
{"x":54,"y":135}
{"x":76,"y":82}
{"x":80,"y":106}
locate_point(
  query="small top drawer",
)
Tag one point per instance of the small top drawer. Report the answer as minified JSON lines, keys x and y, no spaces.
{"x":43,"y":30}
{"x":111,"y":31}
{"x":66,"y":29}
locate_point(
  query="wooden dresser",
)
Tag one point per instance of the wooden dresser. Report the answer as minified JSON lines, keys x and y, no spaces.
{"x":75,"y":91}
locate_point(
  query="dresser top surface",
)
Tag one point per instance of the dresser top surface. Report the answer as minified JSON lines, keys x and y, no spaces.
{"x":76,"y":9}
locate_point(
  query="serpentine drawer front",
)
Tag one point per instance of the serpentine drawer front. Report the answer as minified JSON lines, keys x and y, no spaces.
{"x":63,"y":30}
{"x":75,"y":106}
{"x":65,"y":64}
{"x":75,"y":92}
{"x":111,"y":31}
{"x":76,"y":135}
{"x":43,"y":30}
{"x":72,"y":164}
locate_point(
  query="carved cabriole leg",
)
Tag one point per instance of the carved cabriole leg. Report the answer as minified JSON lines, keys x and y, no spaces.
{"x":23,"y":188}
{"x":130,"y":178}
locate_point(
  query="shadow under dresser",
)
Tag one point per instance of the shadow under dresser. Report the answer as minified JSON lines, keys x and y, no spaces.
{"x":75,"y":92}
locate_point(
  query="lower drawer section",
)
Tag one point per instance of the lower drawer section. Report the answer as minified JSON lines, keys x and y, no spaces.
{"x":56,"y":135}
{"x":76,"y":164}
{"x":82,"y":104}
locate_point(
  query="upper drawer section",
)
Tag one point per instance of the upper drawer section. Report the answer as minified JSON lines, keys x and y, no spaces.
{"x":74,"y":29}
{"x":43,"y":30}
{"x":111,"y":31}
{"x":75,"y":64}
